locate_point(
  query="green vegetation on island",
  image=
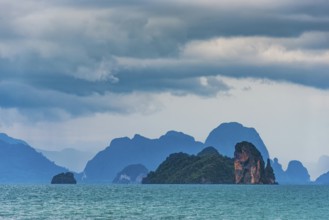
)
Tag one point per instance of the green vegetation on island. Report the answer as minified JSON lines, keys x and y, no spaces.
{"x":207,"y":167}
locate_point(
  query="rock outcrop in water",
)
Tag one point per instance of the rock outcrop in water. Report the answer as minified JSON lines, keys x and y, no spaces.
{"x":249,"y":166}
{"x":64,"y":178}
{"x":132,"y":174}
{"x":210,"y":167}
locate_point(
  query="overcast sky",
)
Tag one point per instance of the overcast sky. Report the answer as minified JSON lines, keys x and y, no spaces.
{"x":79,"y":73}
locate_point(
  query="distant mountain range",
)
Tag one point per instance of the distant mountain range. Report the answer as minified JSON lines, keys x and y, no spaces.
{"x":138,"y":150}
{"x":19,"y":162}
{"x":151,"y":152}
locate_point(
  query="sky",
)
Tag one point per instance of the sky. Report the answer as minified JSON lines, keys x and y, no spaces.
{"x":79,"y":73}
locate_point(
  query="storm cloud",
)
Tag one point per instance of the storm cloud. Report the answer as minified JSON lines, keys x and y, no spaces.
{"x":82,"y":57}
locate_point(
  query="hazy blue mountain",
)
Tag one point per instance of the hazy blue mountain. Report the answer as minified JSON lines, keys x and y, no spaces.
{"x":138,"y":150}
{"x":74,"y":160}
{"x":280,"y":174}
{"x":296,"y":173}
{"x":20,"y":163}
{"x":226,"y":135}
{"x":131,"y":174}
{"x":323,"y":179}
{"x":4,"y":137}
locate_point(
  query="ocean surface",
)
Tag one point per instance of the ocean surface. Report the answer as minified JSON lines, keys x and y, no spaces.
{"x":163,"y":202}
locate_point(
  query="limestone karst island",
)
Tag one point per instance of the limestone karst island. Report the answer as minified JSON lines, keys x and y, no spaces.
{"x":210,"y":167}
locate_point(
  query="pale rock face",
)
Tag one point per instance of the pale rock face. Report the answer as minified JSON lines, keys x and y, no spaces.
{"x":132,"y":174}
{"x":124,"y":177}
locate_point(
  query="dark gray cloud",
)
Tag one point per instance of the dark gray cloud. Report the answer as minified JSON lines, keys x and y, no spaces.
{"x":72,"y":51}
{"x":46,"y":104}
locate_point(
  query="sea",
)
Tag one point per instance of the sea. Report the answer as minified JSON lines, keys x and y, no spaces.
{"x":164,"y":202}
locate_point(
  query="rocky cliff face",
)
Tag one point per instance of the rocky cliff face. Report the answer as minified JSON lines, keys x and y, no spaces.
{"x":269,"y":174}
{"x":249,"y":167}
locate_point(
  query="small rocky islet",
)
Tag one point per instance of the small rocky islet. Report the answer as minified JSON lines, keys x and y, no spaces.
{"x":64,"y":178}
{"x":210,"y":167}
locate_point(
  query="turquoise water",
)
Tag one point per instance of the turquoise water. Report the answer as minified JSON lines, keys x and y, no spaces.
{"x":163,"y":202}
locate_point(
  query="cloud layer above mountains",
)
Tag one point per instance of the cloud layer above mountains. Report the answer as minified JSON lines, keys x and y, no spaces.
{"x":71,"y":58}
